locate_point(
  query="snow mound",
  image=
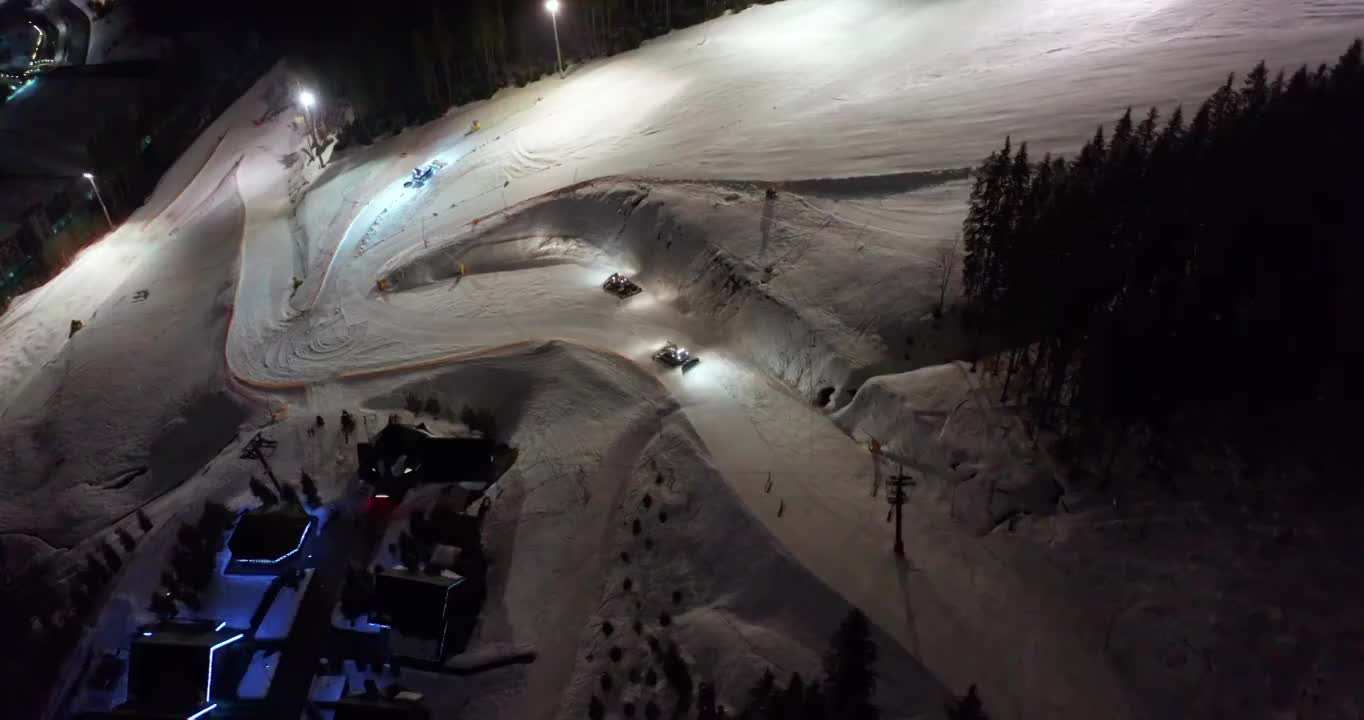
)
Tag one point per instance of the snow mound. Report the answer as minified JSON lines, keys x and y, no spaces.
{"x":596,"y":455}
{"x":119,"y":420}
{"x":796,"y":281}
{"x":938,"y":421}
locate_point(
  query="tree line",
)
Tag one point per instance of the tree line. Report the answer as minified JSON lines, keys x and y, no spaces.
{"x":1192,"y":277}
{"x":846,"y":690}
{"x":399,"y":64}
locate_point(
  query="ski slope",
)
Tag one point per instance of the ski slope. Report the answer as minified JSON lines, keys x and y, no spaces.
{"x":644,"y":163}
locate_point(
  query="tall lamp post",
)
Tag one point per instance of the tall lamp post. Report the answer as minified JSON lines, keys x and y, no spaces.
{"x":100,"y":198}
{"x":308,"y":100}
{"x":553,"y":7}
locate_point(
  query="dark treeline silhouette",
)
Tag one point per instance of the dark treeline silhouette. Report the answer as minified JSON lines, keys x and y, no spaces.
{"x":401,"y":63}
{"x":845,"y":692}
{"x":1191,"y":277}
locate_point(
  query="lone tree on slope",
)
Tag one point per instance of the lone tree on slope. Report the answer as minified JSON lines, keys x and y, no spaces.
{"x":850,"y":670}
{"x":967,"y":707}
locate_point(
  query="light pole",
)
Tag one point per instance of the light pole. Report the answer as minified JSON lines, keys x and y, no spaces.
{"x":100,"y":198}
{"x":307,"y":99}
{"x":553,"y":7}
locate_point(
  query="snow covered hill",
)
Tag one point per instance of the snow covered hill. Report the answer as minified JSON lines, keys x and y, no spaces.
{"x":861,"y":115}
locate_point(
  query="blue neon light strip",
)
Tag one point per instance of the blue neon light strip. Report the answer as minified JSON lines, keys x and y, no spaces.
{"x":302,"y":539}
{"x":203,"y":712}
{"x":22,"y":89}
{"x":221,"y":625}
{"x":208,"y":689}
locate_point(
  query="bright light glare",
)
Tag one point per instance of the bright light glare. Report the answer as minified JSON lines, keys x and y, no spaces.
{"x":87,"y":176}
{"x":306,"y":98}
{"x":552,"y":6}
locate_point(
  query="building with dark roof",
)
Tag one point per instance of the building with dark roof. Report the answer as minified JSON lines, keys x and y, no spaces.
{"x":171,"y":669}
{"x":268,"y":540}
{"x":429,"y":614}
{"x":403,"y":456}
{"x":403,"y":706}
{"x":416,"y":603}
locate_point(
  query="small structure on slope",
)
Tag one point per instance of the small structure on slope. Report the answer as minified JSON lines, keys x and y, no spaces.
{"x":424,"y":606}
{"x":172,"y":668}
{"x":268,"y":540}
{"x":405,"y":705}
{"x":404,"y":456}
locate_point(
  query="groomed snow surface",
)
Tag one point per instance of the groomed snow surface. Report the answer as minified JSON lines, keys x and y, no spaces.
{"x":811,"y":311}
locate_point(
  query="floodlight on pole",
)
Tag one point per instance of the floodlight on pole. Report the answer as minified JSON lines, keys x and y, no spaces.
{"x":552,"y":6}
{"x":100,"y":198}
{"x":308,"y":100}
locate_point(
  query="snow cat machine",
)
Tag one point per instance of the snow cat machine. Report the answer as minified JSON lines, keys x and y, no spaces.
{"x":674,"y":355}
{"x":419,"y":176}
{"x":621,"y":286}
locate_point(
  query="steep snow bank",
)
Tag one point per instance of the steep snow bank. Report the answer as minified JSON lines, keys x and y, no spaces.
{"x":973,"y":453}
{"x":149,"y":371}
{"x":800,"y":288}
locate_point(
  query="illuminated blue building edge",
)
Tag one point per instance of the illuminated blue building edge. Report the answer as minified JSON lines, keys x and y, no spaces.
{"x":302,"y":538}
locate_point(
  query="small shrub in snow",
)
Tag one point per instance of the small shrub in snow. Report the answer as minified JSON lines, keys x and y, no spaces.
{"x":677,"y":596}
{"x":607,"y":628}
{"x":705,"y":702}
{"x":607,"y":683}
{"x":638,"y":627}
{"x":663,"y":516}
{"x":309,"y":487}
{"x":635,"y":527}
{"x":624,"y":557}
{"x":615,"y":654}
{"x":650,"y":677}
{"x":412,"y":403}
{"x":648,"y":501}
{"x":651,"y":711}
{"x":480,"y":421}
{"x":665,"y":619}
{"x":163,"y":606}
{"x":144,"y":522}
{"x":628,"y":584}
{"x":111,"y":557}
{"x":967,"y":707}
{"x":125,"y":539}
{"x":595,"y":709}
{"x":262,"y":493}
{"x":628,"y":709}
{"x":678,"y":675}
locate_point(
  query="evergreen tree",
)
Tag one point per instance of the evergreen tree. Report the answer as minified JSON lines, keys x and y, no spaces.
{"x":1147,"y":281}
{"x":967,"y":707}
{"x":263,"y":493}
{"x":125,"y":539}
{"x":850,"y":670}
{"x":163,"y":606}
{"x":706,"y":702}
{"x":760,"y":697}
{"x":309,"y":487}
